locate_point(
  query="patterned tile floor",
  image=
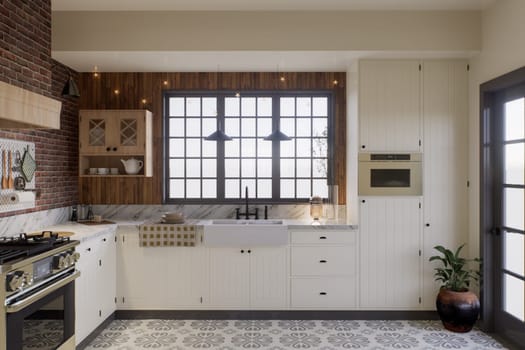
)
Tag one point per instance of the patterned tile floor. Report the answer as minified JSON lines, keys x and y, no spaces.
{"x":289,"y":334}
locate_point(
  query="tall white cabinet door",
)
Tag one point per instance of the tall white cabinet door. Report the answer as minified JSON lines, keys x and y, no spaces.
{"x":390,"y":261}
{"x":389,"y":105}
{"x":229,"y":277}
{"x":86,"y":308}
{"x":106,"y":274}
{"x":445,"y":161}
{"x":268,"y":277}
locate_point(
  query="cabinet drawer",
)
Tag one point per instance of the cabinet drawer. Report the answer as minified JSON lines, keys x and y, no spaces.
{"x":323,"y":237}
{"x":322,"y":261}
{"x":323,"y":292}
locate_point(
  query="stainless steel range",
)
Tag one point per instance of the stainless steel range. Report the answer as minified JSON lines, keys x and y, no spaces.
{"x":38,"y":274}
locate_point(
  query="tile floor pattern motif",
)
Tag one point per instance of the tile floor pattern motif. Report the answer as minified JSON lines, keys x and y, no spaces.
{"x":286,"y":334}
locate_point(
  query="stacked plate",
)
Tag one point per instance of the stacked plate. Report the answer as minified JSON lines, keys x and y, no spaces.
{"x":173,"y":218}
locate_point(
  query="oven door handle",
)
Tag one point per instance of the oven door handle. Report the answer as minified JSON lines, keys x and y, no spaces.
{"x":19,"y":305}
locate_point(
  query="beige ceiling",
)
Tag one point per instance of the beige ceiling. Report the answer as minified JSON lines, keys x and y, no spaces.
{"x":266,"y":5}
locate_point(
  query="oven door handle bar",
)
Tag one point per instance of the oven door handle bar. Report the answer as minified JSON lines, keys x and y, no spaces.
{"x":41,"y":293}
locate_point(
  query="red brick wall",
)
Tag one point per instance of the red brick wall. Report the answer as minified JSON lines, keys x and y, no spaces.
{"x":26,"y":62}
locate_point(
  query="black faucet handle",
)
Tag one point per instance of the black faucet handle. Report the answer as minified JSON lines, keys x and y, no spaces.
{"x":237,"y":213}
{"x":256,"y":213}
{"x":265,"y":212}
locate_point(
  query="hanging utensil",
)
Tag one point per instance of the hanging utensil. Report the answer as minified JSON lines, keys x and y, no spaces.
{"x":18,"y":161}
{"x":10,"y":179}
{"x":20,"y":183}
{"x":4,"y":174}
{"x":28,"y":166}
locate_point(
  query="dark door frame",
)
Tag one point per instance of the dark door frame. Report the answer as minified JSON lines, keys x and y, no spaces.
{"x":490,"y":158}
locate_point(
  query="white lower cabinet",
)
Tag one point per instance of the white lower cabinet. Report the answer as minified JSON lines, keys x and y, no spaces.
{"x":323,"y":269}
{"x":95,"y":288}
{"x":254,"y":278}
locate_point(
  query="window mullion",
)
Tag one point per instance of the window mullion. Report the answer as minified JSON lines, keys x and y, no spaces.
{"x":220,"y":149}
{"x":276,"y":149}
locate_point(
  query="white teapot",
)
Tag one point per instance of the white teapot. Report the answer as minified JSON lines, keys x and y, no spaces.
{"x":132,"y":165}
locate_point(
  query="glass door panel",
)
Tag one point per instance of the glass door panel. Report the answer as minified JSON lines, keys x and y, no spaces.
{"x":514,"y":296}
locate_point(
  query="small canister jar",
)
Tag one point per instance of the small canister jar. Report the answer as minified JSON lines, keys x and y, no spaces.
{"x":316,"y":207}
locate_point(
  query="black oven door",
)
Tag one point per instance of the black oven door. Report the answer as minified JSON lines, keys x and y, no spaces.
{"x":45,"y":321}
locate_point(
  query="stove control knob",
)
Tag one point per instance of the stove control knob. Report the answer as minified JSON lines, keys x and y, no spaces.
{"x":76,"y":256}
{"x":59,"y":262}
{"x":28,"y":279}
{"x":15,"y":281}
{"x":70,"y":259}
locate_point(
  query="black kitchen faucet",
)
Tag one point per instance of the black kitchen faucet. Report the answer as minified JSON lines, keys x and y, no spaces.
{"x":247,"y":213}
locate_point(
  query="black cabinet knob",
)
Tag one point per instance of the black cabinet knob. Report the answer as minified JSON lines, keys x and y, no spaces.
{"x":242,"y":251}
{"x":249,"y":251}
{"x":108,"y":149}
{"x":363,"y":201}
{"x":363,"y":146}
{"x":427,"y":225}
{"x":114,"y":149}
{"x":89,"y":249}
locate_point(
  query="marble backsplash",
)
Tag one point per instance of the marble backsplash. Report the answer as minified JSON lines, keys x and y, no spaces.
{"x":34,"y":221}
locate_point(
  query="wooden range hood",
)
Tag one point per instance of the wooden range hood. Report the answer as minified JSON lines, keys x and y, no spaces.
{"x":23,"y":109}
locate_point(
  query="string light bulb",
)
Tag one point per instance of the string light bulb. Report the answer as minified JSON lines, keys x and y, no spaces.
{"x":335,"y":82}
{"x":282,"y":78}
{"x":116,"y":91}
{"x":165,"y":82}
{"x":144,"y":101}
{"x":95,"y":72}
{"x":237,"y":94}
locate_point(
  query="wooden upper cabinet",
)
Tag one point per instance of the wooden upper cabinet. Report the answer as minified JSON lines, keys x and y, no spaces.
{"x":389,"y":106}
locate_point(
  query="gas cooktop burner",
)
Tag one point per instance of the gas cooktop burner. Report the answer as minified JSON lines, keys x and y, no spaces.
{"x":24,"y":245}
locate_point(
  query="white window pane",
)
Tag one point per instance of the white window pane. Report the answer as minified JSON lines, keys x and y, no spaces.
{"x":248,"y":147}
{"x":320,"y":168}
{"x":303,"y":189}
{"x":176,"y":127}
{"x":231,"y":148}
{"x":320,"y":147}
{"x":248,"y":168}
{"x":320,"y":188}
{"x":304,"y":107}
{"x":288,"y":126}
{"x":209,"y":106}
{"x":287,"y":188}
{"x":209,"y":168}
{"x":193,"y":188}
{"x":264,"y":127}
{"x":248,"y":106}
{"x":514,"y":253}
{"x":209,"y":188}
{"x":231,"y":127}
{"x":193,"y":168}
{"x":251,"y":188}
{"x":231,"y":168}
{"x":248,"y":127}
{"x":264,"y":188}
{"x":303,"y":168}
{"x":287,"y":168}
{"x":176,"y":106}
{"x":320,"y":127}
{"x":231,"y":106}
{"x":176,"y":168}
{"x":304,"y":148}
{"x":231,"y":188}
{"x":514,"y":208}
{"x":264,"y":148}
{"x":209,"y":125}
{"x":176,"y":147}
{"x":514,"y":120}
{"x":193,"y":127}
{"x":193,"y":107}
{"x":514,"y":164}
{"x":209,"y":148}
{"x":193,"y":147}
{"x":287,"y":106}
{"x":320,"y":106}
{"x":514,"y":296}
{"x":287,"y":149}
{"x":264,"y":168}
{"x":176,"y":188}
{"x":304,"y":127}
{"x":264,"y":106}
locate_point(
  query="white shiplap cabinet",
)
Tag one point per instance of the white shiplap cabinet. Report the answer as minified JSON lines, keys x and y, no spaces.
{"x":445,"y":114}
{"x":389,"y":106}
{"x":390,"y":259}
{"x":243,"y":278}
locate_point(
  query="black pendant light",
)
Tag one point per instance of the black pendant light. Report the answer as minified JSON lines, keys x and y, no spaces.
{"x":218,"y":135}
{"x":70,"y":88}
{"x":277,"y":134}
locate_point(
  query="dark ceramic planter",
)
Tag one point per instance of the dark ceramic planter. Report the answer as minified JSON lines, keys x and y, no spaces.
{"x":458,"y":310}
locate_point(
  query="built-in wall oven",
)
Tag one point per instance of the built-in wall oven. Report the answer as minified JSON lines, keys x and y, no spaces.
{"x":389,"y":174}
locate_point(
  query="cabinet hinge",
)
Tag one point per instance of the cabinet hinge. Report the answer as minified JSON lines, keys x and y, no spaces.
{"x":420,"y":67}
{"x":201,"y":300}
{"x":420,"y":300}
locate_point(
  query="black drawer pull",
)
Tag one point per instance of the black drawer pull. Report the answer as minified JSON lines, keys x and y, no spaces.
{"x":322,"y":237}
{"x":322,"y":261}
{"x":322,"y":293}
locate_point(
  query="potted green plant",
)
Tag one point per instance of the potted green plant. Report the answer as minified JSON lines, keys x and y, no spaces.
{"x":457,"y":306}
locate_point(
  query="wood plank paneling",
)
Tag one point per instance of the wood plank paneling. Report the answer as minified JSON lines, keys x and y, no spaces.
{"x":99,"y":93}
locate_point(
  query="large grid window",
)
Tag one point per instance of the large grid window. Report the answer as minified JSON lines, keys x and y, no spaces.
{"x":202,"y":171}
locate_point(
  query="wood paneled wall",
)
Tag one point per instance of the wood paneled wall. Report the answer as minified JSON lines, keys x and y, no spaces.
{"x":99,"y":93}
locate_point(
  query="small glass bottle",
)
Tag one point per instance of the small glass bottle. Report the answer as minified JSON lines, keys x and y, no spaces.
{"x":74,"y":214}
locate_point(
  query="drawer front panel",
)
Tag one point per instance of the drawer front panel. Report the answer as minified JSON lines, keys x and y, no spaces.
{"x":322,"y":261}
{"x":323,"y":237}
{"x":323,"y":292}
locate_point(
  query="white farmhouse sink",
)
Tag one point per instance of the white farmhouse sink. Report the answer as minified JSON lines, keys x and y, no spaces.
{"x":245,"y":233}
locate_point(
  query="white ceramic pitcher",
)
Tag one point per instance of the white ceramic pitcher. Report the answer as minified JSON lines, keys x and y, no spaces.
{"x":132,"y":165}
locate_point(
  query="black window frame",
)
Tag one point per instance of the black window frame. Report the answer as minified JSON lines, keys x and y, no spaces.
{"x":220,"y":95}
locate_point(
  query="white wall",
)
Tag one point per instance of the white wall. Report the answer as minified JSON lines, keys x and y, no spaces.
{"x":502,"y":50}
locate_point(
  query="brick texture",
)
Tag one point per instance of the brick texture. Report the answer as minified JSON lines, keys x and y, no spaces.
{"x":25,"y":42}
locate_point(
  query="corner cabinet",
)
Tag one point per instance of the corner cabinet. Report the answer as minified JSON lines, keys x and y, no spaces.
{"x":107,"y":136}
